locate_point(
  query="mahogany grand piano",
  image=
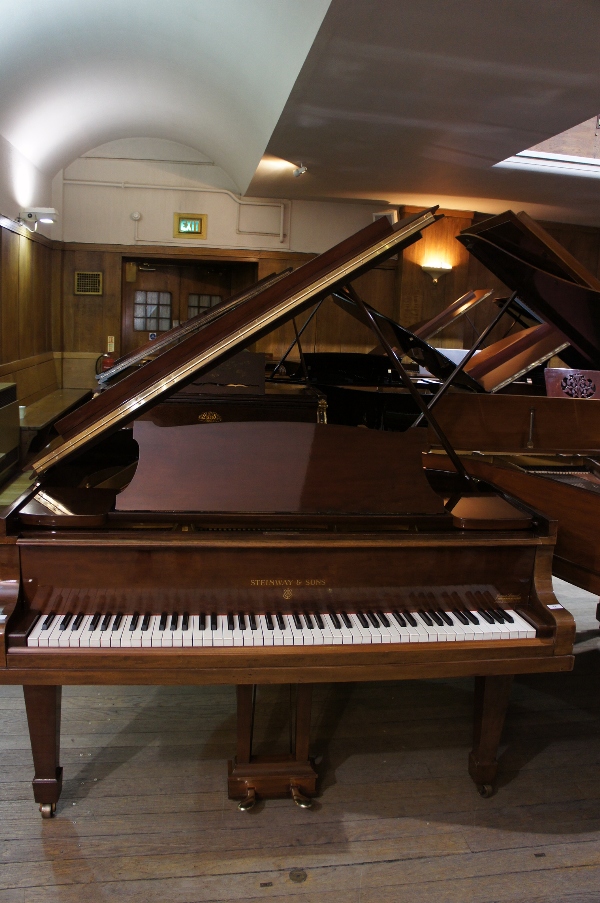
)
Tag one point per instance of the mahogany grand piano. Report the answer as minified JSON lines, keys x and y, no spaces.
{"x":160,"y":550}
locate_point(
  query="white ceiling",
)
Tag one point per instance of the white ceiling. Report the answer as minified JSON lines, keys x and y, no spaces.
{"x":212,"y":75}
{"x":407,"y":101}
{"x":414,"y":101}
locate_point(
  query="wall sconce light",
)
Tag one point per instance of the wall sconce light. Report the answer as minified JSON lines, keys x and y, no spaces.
{"x":34,"y":215}
{"x":436,"y":271}
{"x":300,"y":170}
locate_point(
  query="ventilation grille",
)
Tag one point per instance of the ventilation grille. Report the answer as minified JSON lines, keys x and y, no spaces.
{"x":88,"y":283}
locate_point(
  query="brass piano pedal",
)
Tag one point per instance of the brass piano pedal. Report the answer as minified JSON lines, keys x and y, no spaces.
{"x":47,"y":809}
{"x":304,"y":802}
{"x":249,"y":802}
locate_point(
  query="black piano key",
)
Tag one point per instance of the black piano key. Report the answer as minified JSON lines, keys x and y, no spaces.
{"x":162,"y":624}
{"x":174,"y":621}
{"x":409,"y":617}
{"x":202,"y":621}
{"x":213,"y":621}
{"x":65,"y":621}
{"x":117,"y":621}
{"x":346,"y":619}
{"x":146,"y":621}
{"x":505,"y":615}
{"x":435,"y":617}
{"x":297,"y":621}
{"x":308,"y":621}
{"x":383,"y":618}
{"x":498,"y":613}
{"x":472,"y":618}
{"x":461,"y":615}
{"x":77,"y":622}
{"x":373,"y":619}
{"x":319,"y":621}
{"x":185,"y":621}
{"x":281,"y":621}
{"x":106,"y":620}
{"x":48,"y":620}
{"x":445,"y":617}
{"x":134,"y":621}
{"x":230,"y":621}
{"x":399,"y":618}
{"x":425,"y":618}
{"x":95,"y":621}
{"x":363,"y":621}
{"x":486,"y":617}
{"x":252,"y":619}
{"x":269,"y":620}
{"x":335,"y":620}
{"x":241,"y":621}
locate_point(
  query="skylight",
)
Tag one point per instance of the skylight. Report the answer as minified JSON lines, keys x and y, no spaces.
{"x":575,"y":152}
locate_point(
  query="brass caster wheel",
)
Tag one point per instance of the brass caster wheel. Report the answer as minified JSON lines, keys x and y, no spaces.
{"x":485,"y":790}
{"x":304,"y":802}
{"x":250,"y":801}
{"x":47,"y":809}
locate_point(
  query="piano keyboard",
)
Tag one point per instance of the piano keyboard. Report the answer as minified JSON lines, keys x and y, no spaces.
{"x":108,"y":630}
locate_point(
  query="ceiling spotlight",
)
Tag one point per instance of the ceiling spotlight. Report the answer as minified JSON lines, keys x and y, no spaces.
{"x":300,"y":170}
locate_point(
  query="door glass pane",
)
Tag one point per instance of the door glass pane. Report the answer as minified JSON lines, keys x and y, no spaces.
{"x":152,"y":311}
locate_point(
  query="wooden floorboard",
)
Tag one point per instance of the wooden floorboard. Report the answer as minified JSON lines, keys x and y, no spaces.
{"x":145,"y":817}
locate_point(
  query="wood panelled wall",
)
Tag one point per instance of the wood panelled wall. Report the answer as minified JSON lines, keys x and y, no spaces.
{"x":41,"y":318}
{"x":30,"y":304}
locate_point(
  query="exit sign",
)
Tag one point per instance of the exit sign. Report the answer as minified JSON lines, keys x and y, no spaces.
{"x":190,"y":225}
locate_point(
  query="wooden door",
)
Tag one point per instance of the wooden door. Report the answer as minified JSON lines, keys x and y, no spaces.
{"x":158,"y":296}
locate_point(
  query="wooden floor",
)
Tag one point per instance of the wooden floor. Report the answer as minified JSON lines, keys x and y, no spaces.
{"x":144,"y":816}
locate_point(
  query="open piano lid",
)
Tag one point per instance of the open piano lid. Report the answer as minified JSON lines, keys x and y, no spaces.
{"x":231,"y":333}
{"x":547,"y":278}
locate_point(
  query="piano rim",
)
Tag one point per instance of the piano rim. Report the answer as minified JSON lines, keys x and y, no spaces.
{"x":282,"y":665}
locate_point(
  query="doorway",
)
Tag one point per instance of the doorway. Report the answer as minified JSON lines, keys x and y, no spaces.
{"x":161,"y":294}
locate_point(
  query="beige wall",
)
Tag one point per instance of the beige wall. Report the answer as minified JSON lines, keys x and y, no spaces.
{"x":96,"y":196}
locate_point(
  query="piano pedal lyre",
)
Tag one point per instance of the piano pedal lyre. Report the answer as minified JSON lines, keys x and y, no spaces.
{"x":269,"y":777}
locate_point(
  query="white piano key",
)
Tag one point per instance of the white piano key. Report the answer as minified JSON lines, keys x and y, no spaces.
{"x":385,"y":632}
{"x":105,"y":635}
{"x":361,"y":634}
{"x":336,"y":633}
{"x":187,"y":639}
{"x":116,"y":635}
{"x":255,"y":636}
{"x":525,"y":631}
{"x":297,"y":632}
{"x":314,"y":632}
{"x":267,"y":633}
{"x":226,"y":631}
{"x":148,"y":636}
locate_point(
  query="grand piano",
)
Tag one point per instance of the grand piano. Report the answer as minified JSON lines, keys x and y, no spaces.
{"x":544,"y":450}
{"x":255,"y":553}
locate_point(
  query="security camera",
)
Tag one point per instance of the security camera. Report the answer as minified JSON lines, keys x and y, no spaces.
{"x":34,"y":215}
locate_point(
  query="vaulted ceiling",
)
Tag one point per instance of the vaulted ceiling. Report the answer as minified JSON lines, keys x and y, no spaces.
{"x":212,"y":74}
{"x":407,"y":101}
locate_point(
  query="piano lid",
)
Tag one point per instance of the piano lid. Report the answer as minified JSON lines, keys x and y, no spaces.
{"x":522,"y":236}
{"x":279,"y":468}
{"x":417,"y":349}
{"x":232,"y":332}
{"x":190,"y":326}
{"x":547,"y":278}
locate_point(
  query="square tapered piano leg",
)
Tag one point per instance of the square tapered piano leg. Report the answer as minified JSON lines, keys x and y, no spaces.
{"x":43,"y":717}
{"x":255,"y":777}
{"x":491,"y":701}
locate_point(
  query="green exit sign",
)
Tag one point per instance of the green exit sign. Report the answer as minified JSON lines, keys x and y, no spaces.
{"x":190,"y":225}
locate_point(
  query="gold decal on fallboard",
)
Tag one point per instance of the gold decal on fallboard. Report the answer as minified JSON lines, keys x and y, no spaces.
{"x":289,"y":582}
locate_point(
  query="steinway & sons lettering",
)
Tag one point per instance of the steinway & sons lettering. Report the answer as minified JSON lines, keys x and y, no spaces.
{"x":288,"y":583}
